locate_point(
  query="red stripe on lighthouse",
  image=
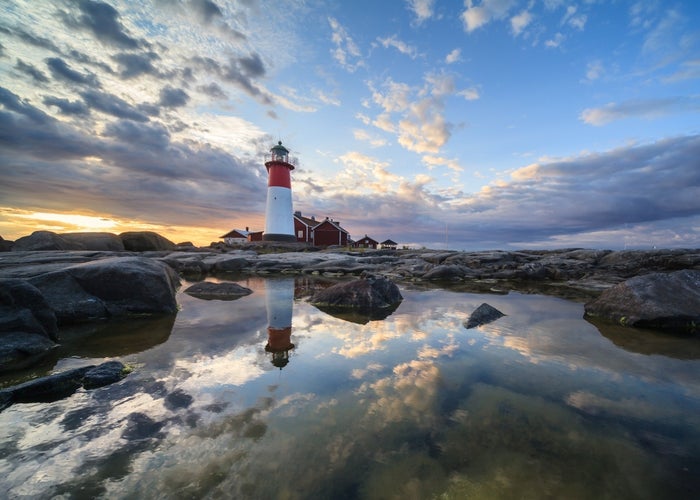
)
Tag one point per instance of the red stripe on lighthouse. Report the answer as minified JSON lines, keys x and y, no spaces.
{"x":278,"y":175}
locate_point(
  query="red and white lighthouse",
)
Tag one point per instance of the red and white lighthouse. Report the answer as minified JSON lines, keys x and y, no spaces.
{"x":279,"y":216}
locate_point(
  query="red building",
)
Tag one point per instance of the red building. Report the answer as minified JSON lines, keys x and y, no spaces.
{"x":324,"y":233}
{"x":365,"y":242}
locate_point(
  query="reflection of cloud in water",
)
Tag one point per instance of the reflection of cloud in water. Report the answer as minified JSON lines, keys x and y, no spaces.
{"x":203,"y":373}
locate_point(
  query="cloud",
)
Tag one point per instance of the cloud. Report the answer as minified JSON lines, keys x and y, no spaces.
{"x":573,"y":19}
{"x":576,"y":201}
{"x":213,"y":90}
{"x":420,"y":124}
{"x":555,"y":42}
{"x":60,"y":70}
{"x":103,"y":21}
{"x":454,"y":56}
{"x":470,"y":94}
{"x":594,"y":70}
{"x":399,"y":45}
{"x":132,"y":65}
{"x":643,"y":108}
{"x":37,"y":75}
{"x":476,"y":16}
{"x":133,"y":170}
{"x":66,"y":107}
{"x":112,"y":105}
{"x":519,"y":22}
{"x":173,"y":98}
{"x":422,"y":9}
{"x":346,"y":52}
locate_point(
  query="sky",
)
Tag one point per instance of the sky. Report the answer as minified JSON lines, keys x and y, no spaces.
{"x":461,"y":125}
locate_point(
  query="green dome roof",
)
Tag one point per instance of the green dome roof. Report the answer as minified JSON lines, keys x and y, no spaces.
{"x":280,"y":150}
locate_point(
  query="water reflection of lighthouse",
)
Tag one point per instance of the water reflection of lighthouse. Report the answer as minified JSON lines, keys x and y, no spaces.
{"x":280,"y":303}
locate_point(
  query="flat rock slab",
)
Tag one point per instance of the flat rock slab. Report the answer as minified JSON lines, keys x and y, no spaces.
{"x":482,"y":315}
{"x":218,"y":291}
{"x":666,"y":301}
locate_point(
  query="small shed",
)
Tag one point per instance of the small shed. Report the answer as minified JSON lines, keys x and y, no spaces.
{"x":389,"y":245}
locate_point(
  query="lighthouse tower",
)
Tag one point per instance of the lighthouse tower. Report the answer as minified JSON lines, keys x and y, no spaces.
{"x":279,"y":219}
{"x":280,"y":306}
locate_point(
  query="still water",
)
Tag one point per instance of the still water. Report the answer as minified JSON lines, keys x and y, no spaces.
{"x":267,"y":397}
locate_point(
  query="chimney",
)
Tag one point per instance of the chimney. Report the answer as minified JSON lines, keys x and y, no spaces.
{"x":298,"y":213}
{"x":247,"y":230}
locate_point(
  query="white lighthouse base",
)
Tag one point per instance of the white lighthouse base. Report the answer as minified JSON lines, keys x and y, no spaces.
{"x":279,"y":219}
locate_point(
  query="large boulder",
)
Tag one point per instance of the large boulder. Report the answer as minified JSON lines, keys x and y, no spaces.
{"x":27,"y":325}
{"x":43,"y":240}
{"x":373,"y":296}
{"x":116,"y":286}
{"x":95,"y":241}
{"x":144,"y":241}
{"x":668,"y":301}
{"x":24,"y":309}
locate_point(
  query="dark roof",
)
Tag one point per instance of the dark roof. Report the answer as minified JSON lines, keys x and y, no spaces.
{"x":334,"y":224}
{"x":307,"y":220}
{"x":389,"y":242}
{"x":368,"y":239}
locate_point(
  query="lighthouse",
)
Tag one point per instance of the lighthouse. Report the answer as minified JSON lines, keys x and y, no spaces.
{"x":279,"y":219}
{"x":280,"y":304}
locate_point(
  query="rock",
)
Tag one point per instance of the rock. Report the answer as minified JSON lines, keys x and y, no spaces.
{"x":483,"y":314}
{"x":50,"y":388}
{"x":104,"y":374}
{"x":19,"y":350}
{"x":95,"y":241}
{"x":144,"y":241}
{"x":218,"y":291}
{"x":24,"y":309}
{"x":369,"y":293}
{"x":61,"y":385}
{"x":447,"y":272}
{"x":43,"y":240}
{"x":117,"y":286}
{"x":5,"y":245}
{"x":666,"y":301}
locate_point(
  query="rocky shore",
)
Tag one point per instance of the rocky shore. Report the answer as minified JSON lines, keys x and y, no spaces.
{"x":49,"y":280}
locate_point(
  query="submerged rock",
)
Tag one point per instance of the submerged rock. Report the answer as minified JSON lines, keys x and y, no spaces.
{"x":483,"y":314}
{"x":218,"y":291}
{"x":666,"y":301}
{"x":61,"y":385}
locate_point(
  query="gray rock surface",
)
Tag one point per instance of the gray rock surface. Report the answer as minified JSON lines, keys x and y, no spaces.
{"x":218,"y":291}
{"x":668,"y":301}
